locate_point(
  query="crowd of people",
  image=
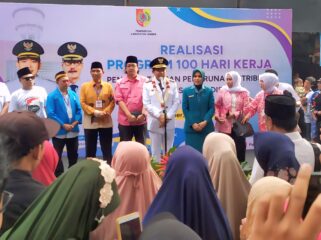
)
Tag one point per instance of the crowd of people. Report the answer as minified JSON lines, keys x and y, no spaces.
{"x":204,"y":193}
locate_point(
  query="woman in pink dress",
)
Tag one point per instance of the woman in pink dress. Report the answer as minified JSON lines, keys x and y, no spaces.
{"x":267,"y":83}
{"x":230,"y":104}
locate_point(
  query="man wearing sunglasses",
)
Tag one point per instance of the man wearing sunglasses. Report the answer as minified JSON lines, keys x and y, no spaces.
{"x":28,"y":97}
{"x":22,"y":137}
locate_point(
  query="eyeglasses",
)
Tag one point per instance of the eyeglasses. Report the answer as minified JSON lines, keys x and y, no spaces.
{"x":75,"y":63}
{"x":6,"y":198}
{"x":29,"y":78}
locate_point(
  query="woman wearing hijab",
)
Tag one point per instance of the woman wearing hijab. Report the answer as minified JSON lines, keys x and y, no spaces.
{"x":45,"y":171}
{"x":267,"y":83}
{"x":187,"y":192}
{"x":198,"y":109}
{"x":137,"y":185}
{"x":230,"y":104}
{"x":72,"y":206}
{"x":228,"y":179}
{"x":263,"y":187}
{"x":275,"y":155}
{"x":165,"y":226}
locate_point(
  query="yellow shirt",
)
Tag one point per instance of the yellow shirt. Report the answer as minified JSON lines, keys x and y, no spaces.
{"x":92,"y":99}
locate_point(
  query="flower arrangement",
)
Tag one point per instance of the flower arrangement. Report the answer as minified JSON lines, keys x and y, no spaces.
{"x":160,"y":167}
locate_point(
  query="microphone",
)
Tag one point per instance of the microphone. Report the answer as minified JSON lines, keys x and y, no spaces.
{"x":161,"y":83}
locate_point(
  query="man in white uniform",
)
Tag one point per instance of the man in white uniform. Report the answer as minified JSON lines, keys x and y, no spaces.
{"x":29,"y":97}
{"x":280,"y":114}
{"x":4,"y":98}
{"x":161,"y":101}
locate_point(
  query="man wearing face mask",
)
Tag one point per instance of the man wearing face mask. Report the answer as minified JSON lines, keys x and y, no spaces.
{"x":28,"y":97}
{"x":161,"y":101}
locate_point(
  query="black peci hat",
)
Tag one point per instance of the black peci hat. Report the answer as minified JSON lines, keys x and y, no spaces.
{"x":131,"y":59}
{"x":282,"y":107}
{"x":23,"y":72}
{"x":96,"y":65}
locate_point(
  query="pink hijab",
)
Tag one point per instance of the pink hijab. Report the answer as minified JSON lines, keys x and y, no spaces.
{"x":45,"y":171}
{"x":137,"y":185}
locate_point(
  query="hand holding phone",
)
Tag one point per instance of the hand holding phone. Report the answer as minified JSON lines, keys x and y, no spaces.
{"x":129,"y":227}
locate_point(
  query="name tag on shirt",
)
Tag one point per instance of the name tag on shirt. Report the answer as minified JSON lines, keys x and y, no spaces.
{"x":190,"y":96}
{"x":99,"y":104}
{"x":69,"y":112}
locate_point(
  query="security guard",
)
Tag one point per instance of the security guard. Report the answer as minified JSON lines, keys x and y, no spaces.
{"x":161,"y":101}
{"x":72,"y":61}
{"x":28,"y":55}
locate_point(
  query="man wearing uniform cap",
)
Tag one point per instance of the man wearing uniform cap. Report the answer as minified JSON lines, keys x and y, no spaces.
{"x":97,"y":102}
{"x":28,"y":97}
{"x":28,"y":54}
{"x":129,"y":97}
{"x":23,"y":134}
{"x":281,"y":117}
{"x":63,"y":106}
{"x":161,"y":101}
{"x":72,"y":61}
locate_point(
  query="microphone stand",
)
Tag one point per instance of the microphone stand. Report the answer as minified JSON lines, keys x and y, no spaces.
{"x":165,"y":113}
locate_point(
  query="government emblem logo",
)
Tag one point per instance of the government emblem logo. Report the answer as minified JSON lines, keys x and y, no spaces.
{"x":71,"y":48}
{"x":28,"y":46}
{"x":143,"y":17}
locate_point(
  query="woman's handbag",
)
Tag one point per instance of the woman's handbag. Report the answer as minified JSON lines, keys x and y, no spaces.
{"x":242,"y":130}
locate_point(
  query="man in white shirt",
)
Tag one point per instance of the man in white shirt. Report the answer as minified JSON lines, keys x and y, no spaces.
{"x":281,"y":117}
{"x":161,"y":101}
{"x":4,"y":98}
{"x":28,"y":97}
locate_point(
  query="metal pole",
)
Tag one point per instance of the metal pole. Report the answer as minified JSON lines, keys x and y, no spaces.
{"x":165,"y":126}
{"x":238,"y":3}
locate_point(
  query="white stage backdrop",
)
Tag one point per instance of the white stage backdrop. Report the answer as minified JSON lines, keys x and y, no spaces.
{"x":217,"y":40}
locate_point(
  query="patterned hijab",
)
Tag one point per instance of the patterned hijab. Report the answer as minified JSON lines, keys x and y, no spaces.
{"x":275,"y":154}
{"x":187,"y":192}
{"x":72,"y":206}
{"x":232,"y":188}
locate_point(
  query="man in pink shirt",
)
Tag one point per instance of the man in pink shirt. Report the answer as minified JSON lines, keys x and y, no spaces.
{"x":129,"y":97}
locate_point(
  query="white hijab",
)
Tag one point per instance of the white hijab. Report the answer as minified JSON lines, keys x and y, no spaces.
{"x":270,"y":80}
{"x":236,"y":77}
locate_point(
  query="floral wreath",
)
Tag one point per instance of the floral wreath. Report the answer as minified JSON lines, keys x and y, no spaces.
{"x":160,"y":167}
